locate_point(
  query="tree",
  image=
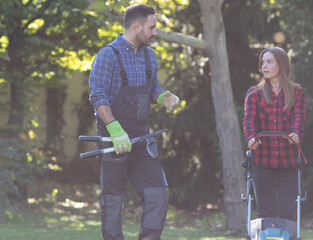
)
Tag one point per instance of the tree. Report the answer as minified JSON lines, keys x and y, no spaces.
{"x":41,"y":41}
{"x":226,"y":116}
{"x":214,"y":46}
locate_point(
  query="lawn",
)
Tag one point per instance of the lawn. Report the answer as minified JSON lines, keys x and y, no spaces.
{"x":67,"y":222}
{"x":54,"y":216}
{"x":83,"y":224}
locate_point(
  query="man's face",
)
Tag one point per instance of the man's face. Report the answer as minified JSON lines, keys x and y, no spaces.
{"x":147,"y":32}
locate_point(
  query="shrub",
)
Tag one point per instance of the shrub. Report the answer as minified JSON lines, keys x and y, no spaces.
{"x":15,"y":175}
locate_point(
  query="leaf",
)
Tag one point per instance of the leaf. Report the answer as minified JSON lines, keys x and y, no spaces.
{"x":4,"y":56}
{"x":29,"y":157}
{"x":34,"y":123}
{"x":76,"y":10}
{"x":31,"y":134}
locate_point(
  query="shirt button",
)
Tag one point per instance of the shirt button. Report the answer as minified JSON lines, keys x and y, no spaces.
{"x":136,"y":69}
{"x":274,"y":120}
{"x":276,"y":152}
{"x":275,"y":110}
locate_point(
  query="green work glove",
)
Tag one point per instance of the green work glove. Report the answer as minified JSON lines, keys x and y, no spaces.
{"x":169,"y":100}
{"x":119,"y":137}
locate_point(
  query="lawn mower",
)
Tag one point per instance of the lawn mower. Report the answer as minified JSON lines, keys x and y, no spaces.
{"x":272,"y":228}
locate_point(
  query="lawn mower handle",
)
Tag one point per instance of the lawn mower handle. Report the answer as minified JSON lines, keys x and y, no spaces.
{"x":280,"y":134}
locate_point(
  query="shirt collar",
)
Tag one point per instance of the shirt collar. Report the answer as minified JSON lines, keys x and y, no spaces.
{"x":125,"y":44}
{"x":280,"y":94}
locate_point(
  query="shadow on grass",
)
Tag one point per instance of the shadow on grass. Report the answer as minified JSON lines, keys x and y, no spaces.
{"x":51,"y":218}
{"x":58,"y":222}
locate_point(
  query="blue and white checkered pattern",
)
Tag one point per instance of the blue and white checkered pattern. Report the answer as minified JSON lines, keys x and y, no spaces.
{"x":105,"y":79}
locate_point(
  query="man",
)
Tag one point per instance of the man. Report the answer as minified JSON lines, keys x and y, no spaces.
{"x":123,"y":82}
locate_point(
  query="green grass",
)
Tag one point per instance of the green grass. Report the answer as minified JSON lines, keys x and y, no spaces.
{"x":69,"y":223}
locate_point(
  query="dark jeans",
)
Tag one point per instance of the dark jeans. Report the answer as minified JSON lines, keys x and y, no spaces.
{"x":275,"y":192}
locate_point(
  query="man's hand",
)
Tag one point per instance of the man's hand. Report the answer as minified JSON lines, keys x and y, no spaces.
{"x":169,"y":100}
{"x":255,"y":146}
{"x":119,"y":137}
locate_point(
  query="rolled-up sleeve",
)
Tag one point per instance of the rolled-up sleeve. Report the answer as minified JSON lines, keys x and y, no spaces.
{"x":250,"y":114}
{"x":155,"y":85}
{"x":100,"y":78}
{"x":298,"y":117}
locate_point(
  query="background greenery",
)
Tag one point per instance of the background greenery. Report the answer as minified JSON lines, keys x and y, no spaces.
{"x":44,"y":42}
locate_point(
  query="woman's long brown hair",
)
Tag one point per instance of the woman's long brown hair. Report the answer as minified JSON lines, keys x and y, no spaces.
{"x":287,"y":84}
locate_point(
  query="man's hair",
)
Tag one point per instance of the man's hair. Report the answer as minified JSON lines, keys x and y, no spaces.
{"x":138,"y":12}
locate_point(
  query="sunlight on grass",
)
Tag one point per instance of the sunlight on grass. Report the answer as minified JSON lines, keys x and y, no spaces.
{"x":93,"y":223}
{"x":70,"y":223}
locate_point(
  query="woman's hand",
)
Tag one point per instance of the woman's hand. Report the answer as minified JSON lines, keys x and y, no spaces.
{"x":294,"y":137}
{"x":255,"y":145}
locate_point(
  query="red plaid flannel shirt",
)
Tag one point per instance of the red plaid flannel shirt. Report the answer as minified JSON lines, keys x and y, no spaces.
{"x":274,"y":152}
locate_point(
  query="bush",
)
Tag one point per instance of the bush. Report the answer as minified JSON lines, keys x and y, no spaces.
{"x":15,"y":175}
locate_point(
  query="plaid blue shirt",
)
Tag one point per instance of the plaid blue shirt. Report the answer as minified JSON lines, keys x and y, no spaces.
{"x":105,"y":79}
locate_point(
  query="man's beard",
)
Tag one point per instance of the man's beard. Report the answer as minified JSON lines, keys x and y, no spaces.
{"x":146,"y":42}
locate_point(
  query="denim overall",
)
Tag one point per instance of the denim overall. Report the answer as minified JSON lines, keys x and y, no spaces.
{"x":141,"y":166}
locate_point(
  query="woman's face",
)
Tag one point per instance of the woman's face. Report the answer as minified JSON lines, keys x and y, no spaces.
{"x":270,"y":67}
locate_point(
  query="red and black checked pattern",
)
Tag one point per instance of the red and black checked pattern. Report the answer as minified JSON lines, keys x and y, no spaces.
{"x":274,"y":152}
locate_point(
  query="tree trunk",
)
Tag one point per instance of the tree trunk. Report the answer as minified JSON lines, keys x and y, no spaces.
{"x":16,"y":116}
{"x":225,"y":113}
{"x":55,"y":98}
{"x":17,"y":92}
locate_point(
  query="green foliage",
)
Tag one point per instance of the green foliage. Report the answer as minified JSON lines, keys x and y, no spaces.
{"x":193,"y":159}
{"x":248,"y":32}
{"x":50,"y":34}
{"x":190,"y":152}
{"x":15,"y":175}
{"x":41,"y":44}
{"x":292,"y":20}
{"x":296,"y":22}
{"x":214,"y":222}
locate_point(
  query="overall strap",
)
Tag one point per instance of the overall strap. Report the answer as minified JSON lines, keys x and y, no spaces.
{"x":148,"y":65}
{"x":122,"y":69}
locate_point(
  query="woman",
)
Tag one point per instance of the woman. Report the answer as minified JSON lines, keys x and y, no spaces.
{"x":275,"y":104}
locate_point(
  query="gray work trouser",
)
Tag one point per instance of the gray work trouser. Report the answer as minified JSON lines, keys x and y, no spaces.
{"x":146,"y":175}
